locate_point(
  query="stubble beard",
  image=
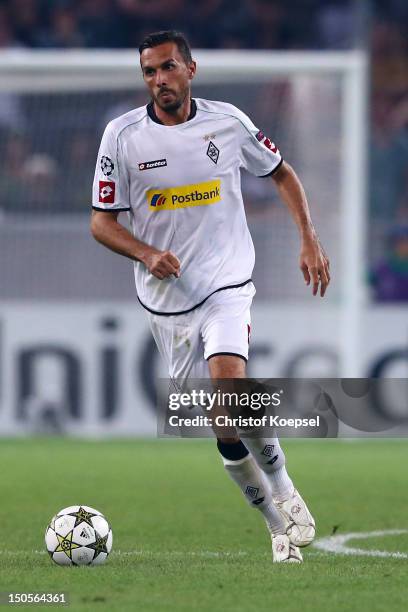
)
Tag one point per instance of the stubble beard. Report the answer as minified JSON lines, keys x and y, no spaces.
{"x":172,"y":107}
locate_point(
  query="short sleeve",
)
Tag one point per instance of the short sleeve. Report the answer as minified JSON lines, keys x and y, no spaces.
{"x":111,"y":185}
{"x":260,"y":156}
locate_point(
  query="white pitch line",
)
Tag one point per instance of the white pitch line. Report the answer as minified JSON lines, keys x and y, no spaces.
{"x":337,"y":544}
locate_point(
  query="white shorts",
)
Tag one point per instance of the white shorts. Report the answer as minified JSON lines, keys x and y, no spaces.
{"x":220,"y":326}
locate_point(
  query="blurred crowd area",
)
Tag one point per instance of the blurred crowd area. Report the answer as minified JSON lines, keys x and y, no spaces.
{"x":266,"y":24}
{"x":50,"y":171}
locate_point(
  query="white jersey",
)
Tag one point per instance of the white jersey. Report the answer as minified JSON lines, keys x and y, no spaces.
{"x":182,"y":187}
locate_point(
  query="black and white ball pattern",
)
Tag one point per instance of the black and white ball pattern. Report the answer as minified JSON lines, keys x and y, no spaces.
{"x":107,"y":165}
{"x":78,"y":535}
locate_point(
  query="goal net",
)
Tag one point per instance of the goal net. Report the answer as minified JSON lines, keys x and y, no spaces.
{"x":53,"y":109}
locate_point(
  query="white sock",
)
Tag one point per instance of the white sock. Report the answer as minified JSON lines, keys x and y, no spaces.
{"x":256,"y":489}
{"x":270,"y":457}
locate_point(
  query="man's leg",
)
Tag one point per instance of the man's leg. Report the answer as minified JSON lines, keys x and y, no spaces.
{"x":270,"y":457}
{"x":180,"y":345}
{"x":244,"y":471}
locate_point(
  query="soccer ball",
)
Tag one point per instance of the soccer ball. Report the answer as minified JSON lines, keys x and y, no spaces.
{"x":78,"y":535}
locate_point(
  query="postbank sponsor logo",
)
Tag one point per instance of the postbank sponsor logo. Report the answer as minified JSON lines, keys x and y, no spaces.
{"x":185,"y":196}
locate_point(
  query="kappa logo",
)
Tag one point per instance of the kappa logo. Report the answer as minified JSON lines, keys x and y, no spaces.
{"x":267,"y":142}
{"x":185,"y":196}
{"x":156,"y":163}
{"x":106,"y":192}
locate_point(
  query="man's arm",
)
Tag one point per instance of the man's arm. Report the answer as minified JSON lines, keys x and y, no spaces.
{"x":313,"y":260}
{"x":106,"y":229}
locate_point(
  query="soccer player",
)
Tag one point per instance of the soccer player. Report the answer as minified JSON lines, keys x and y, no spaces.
{"x":174,"y":165}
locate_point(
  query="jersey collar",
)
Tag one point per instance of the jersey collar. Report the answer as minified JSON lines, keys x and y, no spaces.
{"x":152,"y":114}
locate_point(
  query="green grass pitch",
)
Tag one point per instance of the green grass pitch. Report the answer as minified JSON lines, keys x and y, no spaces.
{"x":184,"y":538}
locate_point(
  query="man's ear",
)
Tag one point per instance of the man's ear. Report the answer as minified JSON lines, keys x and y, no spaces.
{"x":192,"y":69}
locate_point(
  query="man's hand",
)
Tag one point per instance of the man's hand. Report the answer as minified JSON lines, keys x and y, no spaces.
{"x":106,"y":230}
{"x":313,"y":260}
{"x":314,"y":264}
{"x":162,"y":264}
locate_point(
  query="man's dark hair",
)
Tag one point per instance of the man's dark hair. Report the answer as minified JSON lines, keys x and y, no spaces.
{"x":158,"y":38}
